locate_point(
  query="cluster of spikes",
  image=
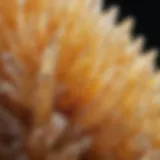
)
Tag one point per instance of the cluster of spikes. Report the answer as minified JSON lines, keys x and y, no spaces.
{"x":75,"y":84}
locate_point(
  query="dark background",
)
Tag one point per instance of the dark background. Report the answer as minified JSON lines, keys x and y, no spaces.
{"x":147,"y":15}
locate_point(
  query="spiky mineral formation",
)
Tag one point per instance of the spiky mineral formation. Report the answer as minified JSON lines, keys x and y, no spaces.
{"x":74,"y":84}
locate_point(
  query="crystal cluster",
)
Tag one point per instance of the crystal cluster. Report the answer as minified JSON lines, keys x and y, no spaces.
{"x":75,"y":84}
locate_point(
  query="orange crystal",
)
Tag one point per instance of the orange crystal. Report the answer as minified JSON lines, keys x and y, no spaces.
{"x":73,"y":78}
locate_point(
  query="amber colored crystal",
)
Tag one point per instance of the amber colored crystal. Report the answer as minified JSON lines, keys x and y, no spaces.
{"x":75,"y":84}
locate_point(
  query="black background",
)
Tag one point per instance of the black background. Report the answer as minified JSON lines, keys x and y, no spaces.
{"x":147,"y":15}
